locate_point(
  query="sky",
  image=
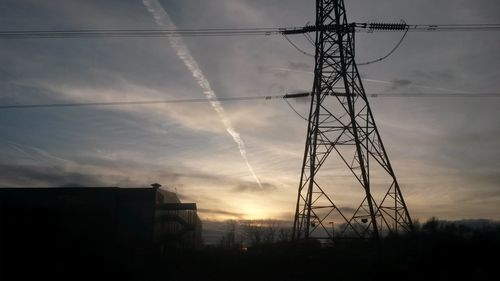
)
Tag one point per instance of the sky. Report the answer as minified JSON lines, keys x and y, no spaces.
{"x":242,"y":159}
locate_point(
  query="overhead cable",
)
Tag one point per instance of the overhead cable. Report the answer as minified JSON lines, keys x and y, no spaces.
{"x":195,"y":32}
{"x":388,"y":54}
{"x":105,"y":33}
{"x":248,"y":98}
{"x":150,"y":102}
{"x":297,"y":47}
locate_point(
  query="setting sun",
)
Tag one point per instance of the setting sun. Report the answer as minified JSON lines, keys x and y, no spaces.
{"x":253,"y":211}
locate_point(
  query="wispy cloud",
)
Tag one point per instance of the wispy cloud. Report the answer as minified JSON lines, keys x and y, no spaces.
{"x":218,"y":212}
{"x":244,"y":187}
{"x":46,"y":176}
{"x":397,"y":83}
{"x":164,"y":21}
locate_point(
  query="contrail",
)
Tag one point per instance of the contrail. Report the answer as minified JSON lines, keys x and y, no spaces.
{"x":381,"y":81}
{"x":165,"y":22}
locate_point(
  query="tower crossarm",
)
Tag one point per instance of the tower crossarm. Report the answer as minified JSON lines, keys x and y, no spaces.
{"x":345,"y":27}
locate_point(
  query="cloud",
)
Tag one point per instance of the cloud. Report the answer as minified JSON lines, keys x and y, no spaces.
{"x":398,"y":84}
{"x":47,"y":176}
{"x":300,"y":66}
{"x":124,"y":90}
{"x":252,"y":187}
{"x":218,"y":212}
{"x":347,"y":210}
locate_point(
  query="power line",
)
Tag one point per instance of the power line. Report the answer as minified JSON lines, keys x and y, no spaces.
{"x":196,"y":32}
{"x":442,"y":27}
{"x":150,"y":102}
{"x":248,"y":98}
{"x":199,"y":100}
{"x":309,"y":38}
{"x":436,"y":95}
{"x":105,"y":33}
{"x":391,"y":27}
{"x":388,"y":54}
{"x":294,"y":110}
{"x":297,"y":47}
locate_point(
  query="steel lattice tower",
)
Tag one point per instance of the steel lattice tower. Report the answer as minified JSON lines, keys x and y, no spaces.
{"x":342,"y":134}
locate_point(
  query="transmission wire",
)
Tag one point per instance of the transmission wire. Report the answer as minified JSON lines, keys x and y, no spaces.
{"x":300,"y":115}
{"x":297,"y":48}
{"x":248,"y":98}
{"x":104,"y":33}
{"x":309,"y":39}
{"x":197,"y":100}
{"x":389,"y":54}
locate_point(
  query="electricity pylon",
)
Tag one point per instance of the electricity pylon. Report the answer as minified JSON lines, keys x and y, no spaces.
{"x":342,"y":134}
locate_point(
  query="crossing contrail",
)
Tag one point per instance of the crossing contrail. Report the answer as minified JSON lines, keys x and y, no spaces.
{"x":165,"y":22}
{"x":381,"y":81}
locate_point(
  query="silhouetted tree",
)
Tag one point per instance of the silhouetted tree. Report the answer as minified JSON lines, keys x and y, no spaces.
{"x":253,"y":233}
{"x":431,"y":226}
{"x":284,"y":234}
{"x":228,"y":241}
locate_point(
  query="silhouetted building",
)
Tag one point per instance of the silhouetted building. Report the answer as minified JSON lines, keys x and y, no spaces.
{"x":54,"y":225}
{"x":177,"y":224}
{"x":47,"y":230}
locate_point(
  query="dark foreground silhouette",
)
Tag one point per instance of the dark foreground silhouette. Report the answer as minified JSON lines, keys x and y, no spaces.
{"x":121,"y":234}
{"x":439,"y":254}
{"x":437,"y":251}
